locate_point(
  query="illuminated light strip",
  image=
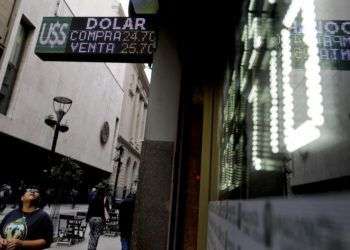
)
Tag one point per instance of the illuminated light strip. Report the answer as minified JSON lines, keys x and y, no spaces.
{"x":244,"y":58}
{"x":254,"y":98}
{"x":244,"y":83}
{"x":252,"y":5}
{"x":288,"y":106}
{"x":308,"y":131}
{"x":257,"y":34}
{"x":258,"y":42}
{"x":245,"y":33}
{"x":274,"y":101}
{"x":254,"y":28}
{"x":312,"y":65}
{"x":254,"y":33}
{"x":253,"y":94}
{"x":293,"y":11}
{"x":253,"y":59}
{"x":234,"y":76}
{"x":243,"y":78}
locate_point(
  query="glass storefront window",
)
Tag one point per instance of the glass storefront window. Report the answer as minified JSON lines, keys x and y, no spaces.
{"x":291,"y":94}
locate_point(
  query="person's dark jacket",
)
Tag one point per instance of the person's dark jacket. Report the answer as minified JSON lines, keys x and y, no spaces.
{"x":126,"y":212}
{"x":91,"y":196}
{"x":97,"y":208}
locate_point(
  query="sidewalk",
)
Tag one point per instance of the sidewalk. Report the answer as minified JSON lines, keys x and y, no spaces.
{"x":104,"y":243}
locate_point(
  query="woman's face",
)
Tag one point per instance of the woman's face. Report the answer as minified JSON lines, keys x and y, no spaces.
{"x":31,"y":195}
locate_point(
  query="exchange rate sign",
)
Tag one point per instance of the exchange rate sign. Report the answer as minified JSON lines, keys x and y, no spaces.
{"x":97,"y":39}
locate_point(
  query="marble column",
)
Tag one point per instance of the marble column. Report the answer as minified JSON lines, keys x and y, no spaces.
{"x":153,"y":203}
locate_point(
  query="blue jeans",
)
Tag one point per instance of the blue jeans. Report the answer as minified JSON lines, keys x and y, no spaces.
{"x":125,"y":244}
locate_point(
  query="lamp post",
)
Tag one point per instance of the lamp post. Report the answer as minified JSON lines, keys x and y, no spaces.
{"x":61,"y":107}
{"x":117,"y":159}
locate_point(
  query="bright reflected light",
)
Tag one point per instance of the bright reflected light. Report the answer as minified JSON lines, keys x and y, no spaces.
{"x":308,"y":131}
{"x":257,"y":164}
{"x":292,"y":13}
{"x":252,"y":95}
{"x":253,"y":58}
{"x":254,"y":99}
{"x":303,"y":135}
{"x":274,"y":102}
{"x":258,"y":41}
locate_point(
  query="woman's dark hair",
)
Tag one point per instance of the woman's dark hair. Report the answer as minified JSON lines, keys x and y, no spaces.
{"x":100,"y":193}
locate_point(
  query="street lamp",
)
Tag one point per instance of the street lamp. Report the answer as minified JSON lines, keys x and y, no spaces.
{"x":120,"y":152}
{"x":61,"y":107}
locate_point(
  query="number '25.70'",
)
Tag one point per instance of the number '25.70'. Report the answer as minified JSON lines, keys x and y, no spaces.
{"x":137,"y":48}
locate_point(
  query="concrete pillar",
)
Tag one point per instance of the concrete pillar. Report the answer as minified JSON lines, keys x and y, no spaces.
{"x":152,"y":214}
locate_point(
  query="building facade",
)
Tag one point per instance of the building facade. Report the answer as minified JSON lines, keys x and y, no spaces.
{"x":28,"y":86}
{"x":131,"y":132}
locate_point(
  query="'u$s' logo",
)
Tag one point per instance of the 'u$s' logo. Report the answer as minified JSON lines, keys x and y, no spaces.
{"x":53,"y":34}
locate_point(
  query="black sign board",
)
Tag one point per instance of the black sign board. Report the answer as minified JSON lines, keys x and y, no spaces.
{"x":333,"y":43}
{"x":97,"y":39}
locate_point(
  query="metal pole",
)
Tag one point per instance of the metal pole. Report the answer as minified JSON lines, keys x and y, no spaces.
{"x":55,"y":209}
{"x":55,"y":137}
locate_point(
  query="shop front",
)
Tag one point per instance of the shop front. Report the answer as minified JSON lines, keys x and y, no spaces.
{"x":285,"y":129}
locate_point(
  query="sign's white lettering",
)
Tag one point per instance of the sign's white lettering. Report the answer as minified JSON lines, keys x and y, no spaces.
{"x":116,"y":23}
{"x":84,"y":48}
{"x":53,"y":34}
{"x":93,"y":36}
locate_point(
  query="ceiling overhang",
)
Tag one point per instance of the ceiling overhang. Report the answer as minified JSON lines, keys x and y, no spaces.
{"x":205,"y":32}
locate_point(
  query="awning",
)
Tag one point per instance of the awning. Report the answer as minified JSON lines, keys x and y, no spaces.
{"x":145,"y":6}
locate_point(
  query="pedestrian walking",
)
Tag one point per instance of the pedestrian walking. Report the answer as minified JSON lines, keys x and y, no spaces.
{"x":91,"y":195}
{"x":97,"y":215}
{"x":124,"y":192}
{"x":27,"y":227}
{"x":74,"y":196}
{"x":49,"y":196}
{"x":126,"y":214}
{"x":5,"y":196}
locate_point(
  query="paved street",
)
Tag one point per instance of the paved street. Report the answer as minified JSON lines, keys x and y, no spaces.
{"x":105,"y":243}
